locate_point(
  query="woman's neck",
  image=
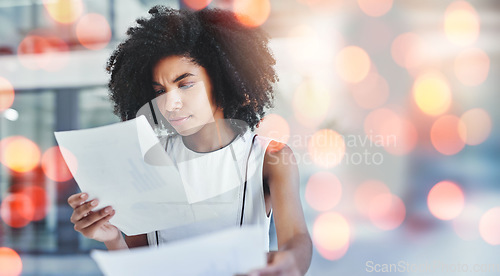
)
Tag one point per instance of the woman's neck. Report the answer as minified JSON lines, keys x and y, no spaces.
{"x":211,"y":137}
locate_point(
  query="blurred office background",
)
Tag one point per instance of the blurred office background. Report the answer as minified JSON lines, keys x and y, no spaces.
{"x":391,"y":108}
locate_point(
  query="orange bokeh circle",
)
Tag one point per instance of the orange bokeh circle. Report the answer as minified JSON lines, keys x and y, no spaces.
{"x":387,"y":211}
{"x":10,"y":262}
{"x":448,"y":134}
{"x":6,"y":94}
{"x":323,"y":191}
{"x":39,"y":200}
{"x":353,"y":64}
{"x":64,"y":11}
{"x":326,"y":148}
{"x":331,"y":231}
{"x":17,"y":210}
{"x":489,"y":226}
{"x":47,"y":52}
{"x":197,"y":4}
{"x":252,"y":13}
{"x":93,"y":31}
{"x":446,"y":200}
{"x":19,"y":154}
{"x":54,"y":165}
{"x":461,"y":23}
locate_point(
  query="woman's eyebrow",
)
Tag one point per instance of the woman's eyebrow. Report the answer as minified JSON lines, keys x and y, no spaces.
{"x":179,"y":78}
{"x":185,"y":75}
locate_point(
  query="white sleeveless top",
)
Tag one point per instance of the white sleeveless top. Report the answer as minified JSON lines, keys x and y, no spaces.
{"x":213,"y":169}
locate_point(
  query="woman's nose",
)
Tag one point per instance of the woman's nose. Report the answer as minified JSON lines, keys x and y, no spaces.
{"x":172,"y":101}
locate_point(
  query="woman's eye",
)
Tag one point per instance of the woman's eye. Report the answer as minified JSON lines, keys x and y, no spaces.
{"x":158,"y":92}
{"x":186,"y":86}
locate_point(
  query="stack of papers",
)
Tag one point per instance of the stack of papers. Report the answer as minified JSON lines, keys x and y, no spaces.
{"x":229,"y":252}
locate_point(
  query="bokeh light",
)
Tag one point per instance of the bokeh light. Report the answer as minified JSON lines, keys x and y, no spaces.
{"x":387,"y":211}
{"x":323,"y":191}
{"x":311,"y":102}
{"x":11,"y":114}
{"x":252,"y":13}
{"x":432,"y":93}
{"x":54,"y":165}
{"x":331,"y":231}
{"x":55,"y":56}
{"x":409,"y":50}
{"x":352,"y":64}
{"x":30,"y":46}
{"x":6,"y":94}
{"x":477,"y":124}
{"x":448,"y":134}
{"x":489,"y":226}
{"x":466,"y":224}
{"x":275,"y":127}
{"x":365,"y":192}
{"x":50,"y":53}
{"x":332,"y":255}
{"x":39,"y":200}
{"x":93,"y":31}
{"x":445,"y":200}
{"x":405,"y":135}
{"x":10,"y":262}
{"x":461,"y":23}
{"x":20,"y":154}
{"x":17,"y":210}
{"x":371,"y":92}
{"x":3,"y":145}
{"x":326,"y":148}
{"x":385,"y":128}
{"x":64,"y":11}
{"x":197,"y":4}
{"x":375,"y":8}
{"x":472,"y":66}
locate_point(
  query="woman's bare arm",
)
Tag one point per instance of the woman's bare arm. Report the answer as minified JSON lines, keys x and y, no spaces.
{"x":136,"y":241}
{"x":281,"y":171}
{"x":126,"y":242}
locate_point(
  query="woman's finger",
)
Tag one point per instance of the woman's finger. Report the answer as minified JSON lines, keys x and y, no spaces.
{"x":83,"y":210}
{"x":88,"y":231}
{"x":93,"y":218}
{"x":77,"y":199}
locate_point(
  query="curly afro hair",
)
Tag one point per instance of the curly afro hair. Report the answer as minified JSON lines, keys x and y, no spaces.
{"x":236,"y":58}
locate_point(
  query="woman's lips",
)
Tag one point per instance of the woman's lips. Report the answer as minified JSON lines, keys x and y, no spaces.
{"x":179,"y":121}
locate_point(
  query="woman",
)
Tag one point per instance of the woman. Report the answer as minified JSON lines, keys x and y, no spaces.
{"x":206,"y":73}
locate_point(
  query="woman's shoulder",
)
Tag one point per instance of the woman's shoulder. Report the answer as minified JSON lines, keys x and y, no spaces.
{"x":273,"y":147}
{"x":278,"y":156}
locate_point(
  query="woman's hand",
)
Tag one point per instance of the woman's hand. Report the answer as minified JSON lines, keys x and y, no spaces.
{"x":278,"y":263}
{"x":93,"y":225}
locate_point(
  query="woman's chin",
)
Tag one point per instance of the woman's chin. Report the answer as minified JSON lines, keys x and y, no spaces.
{"x":186,"y":131}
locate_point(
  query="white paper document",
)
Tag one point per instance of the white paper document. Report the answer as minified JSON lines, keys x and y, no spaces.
{"x":124,"y":165}
{"x":229,"y":252}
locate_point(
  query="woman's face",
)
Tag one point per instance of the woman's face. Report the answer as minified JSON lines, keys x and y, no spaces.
{"x":184,"y":94}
